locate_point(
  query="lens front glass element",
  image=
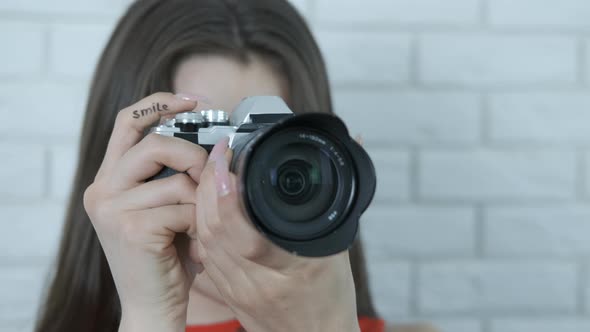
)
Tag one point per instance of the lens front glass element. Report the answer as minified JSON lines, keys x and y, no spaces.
{"x":295,"y":181}
{"x":298,"y":182}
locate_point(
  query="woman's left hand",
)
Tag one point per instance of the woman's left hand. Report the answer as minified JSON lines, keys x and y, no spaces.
{"x":267,"y":288}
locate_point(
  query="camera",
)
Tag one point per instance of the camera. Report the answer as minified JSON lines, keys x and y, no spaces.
{"x":303,"y":181}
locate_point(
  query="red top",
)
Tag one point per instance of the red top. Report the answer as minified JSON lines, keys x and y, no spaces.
{"x":367,"y":325}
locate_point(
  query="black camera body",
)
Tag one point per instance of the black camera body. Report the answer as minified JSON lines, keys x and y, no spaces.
{"x":304,"y":182}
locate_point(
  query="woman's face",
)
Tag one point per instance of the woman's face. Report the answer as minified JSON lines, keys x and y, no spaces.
{"x":224,"y":82}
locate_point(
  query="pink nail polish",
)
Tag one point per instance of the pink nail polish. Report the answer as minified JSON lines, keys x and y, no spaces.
{"x":191,"y":97}
{"x":217,"y":156}
{"x":222,"y":177}
{"x":218,"y":151}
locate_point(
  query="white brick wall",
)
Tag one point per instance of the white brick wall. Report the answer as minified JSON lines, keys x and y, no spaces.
{"x":496,"y":175}
{"x":398,"y":11}
{"x":347,"y":62}
{"x":78,"y":61}
{"x":546,"y":231}
{"x":496,"y":60}
{"x":474,"y":111}
{"x":25,"y":56}
{"x":558,"y":14}
{"x":497,"y":288}
{"x":541,"y":325}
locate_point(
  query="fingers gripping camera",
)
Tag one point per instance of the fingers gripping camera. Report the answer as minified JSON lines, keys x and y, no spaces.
{"x":304,"y":182}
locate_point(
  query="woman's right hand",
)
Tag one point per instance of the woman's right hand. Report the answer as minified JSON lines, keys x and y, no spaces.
{"x":137,"y":221}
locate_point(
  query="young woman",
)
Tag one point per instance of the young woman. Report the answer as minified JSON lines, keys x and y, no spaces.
{"x":178,"y":253}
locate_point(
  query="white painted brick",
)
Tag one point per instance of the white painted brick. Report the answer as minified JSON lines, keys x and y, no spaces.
{"x":390,"y":287}
{"x":368,"y":58}
{"x":540,"y":324}
{"x":22,"y":52}
{"x":22,"y":170}
{"x":63,"y":169}
{"x":397,"y":11}
{"x":457,"y":325}
{"x":586,"y":288}
{"x":586,"y":60}
{"x":497,"y":175}
{"x":60,"y":106}
{"x":410,"y":117}
{"x":540,"y":117}
{"x":301,"y":5}
{"x":563,"y":13}
{"x":490,"y":60}
{"x":393,"y":175}
{"x":497,"y":287}
{"x":26,"y":326}
{"x":30,"y":231}
{"x":20,"y":291}
{"x":79,"y":61}
{"x":540,"y":231}
{"x":86,"y":7}
{"x":415,"y":231}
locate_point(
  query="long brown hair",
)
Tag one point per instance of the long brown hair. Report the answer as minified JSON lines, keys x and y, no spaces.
{"x":140,"y":58}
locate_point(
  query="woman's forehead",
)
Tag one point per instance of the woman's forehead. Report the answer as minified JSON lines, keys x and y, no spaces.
{"x":224,"y":81}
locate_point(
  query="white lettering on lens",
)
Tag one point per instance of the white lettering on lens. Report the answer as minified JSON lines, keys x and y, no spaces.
{"x":312,"y":138}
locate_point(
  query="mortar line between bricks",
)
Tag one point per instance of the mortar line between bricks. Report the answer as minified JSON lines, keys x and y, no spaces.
{"x":505,"y":313}
{"x":486,"y":324}
{"x":544,"y":31}
{"x":414,"y":74}
{"x":458,"y":87}
{"x":47,"y":156}
{"x":484,"y":9}
{"x":581,"y":61}
{"x":46,"y":49}
{"x":28,"y":261}
{"x":581,"y":174}
{"x":585,"y":177}
{"x":414,"y":174}
{"x":380,"y":204}
{"x":503,"y":201}
{"x":413,"y":298}
{"x":480,"y":231}
{"x":511,"y":257}
{"x":485,"y":117}
{"x":62,"y":18}
{"x":542,"y":259}
{"x":582,"y":286}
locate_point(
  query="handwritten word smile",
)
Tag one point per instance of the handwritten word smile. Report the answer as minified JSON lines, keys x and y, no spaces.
{"x":146,"y":111}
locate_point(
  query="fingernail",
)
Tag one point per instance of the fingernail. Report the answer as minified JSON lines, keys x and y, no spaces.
{"x":222,"y":177}
{"x":191,"y":97}
{"x":217,"y":156}
{"x":218,"y":151}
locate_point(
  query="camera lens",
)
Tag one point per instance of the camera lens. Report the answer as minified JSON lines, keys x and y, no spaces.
{"x":295,"y":182}
{"x":303,"y":182}
{"x":299,"y":183}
